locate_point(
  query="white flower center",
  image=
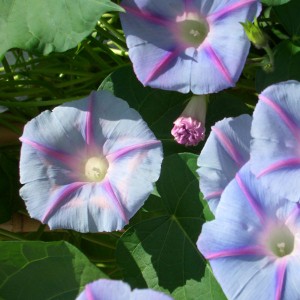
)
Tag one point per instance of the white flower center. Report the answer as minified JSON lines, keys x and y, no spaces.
{"x":96,"y":168}
{"x":281,"y":241}
{"x":192,"y":30}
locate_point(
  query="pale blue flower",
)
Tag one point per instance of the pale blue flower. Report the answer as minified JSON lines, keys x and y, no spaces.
{"x":253,"y":245}
{"x":188,"y":45}
{"x":88,"y":165}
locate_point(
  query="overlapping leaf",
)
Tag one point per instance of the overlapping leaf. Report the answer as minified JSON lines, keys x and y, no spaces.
{"x":160,"y":251}
{"x":45,"y":26}
{"x":39,"y":270}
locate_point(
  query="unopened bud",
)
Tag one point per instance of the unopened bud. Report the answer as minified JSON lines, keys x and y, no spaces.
{"x":189,"y":128}
{"x":255,"y":34}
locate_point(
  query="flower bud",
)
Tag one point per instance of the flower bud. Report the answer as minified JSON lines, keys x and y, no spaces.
{"x":255,"y":34}
{"x":189,"y":128}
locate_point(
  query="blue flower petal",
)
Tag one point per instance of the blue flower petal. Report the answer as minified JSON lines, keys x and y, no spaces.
{"x":225,"y":151}
{"x":275,"y":129}
{"x":106,"y":289}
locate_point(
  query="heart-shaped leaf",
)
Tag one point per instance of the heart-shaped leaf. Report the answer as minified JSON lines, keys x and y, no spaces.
{"x":160,"y":251}
{"x":40,"y":270}
{"x":45,"y":26}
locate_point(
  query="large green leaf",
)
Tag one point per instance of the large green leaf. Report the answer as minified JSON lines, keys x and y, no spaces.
{"x":286,"y":66}
{"x":160,"y":251}
{"x":45,"y":26}
{"x":40,"y":270}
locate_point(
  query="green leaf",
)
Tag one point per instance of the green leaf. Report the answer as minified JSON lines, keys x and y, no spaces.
{"x":288,"y":16}
{"x":160,"y":252}
{"x":286,"y":66}
{"x":274,"y":2}
{"x":158,"y":108}
{"x":40,"y":270}
{"x":45,"y":26}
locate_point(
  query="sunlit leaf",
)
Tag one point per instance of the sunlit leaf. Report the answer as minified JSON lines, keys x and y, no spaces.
{"x":160,"y":252}
{"x":46,"y":26}
{"x":39,"y":270}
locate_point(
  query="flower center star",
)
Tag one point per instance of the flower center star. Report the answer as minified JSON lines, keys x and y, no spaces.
{"x":96,"y":169}
{"x":281,"y":241}
{"x":191,"y":29}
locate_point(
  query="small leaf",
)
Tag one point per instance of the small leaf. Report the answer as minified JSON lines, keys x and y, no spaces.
{"x":39,"y":270}
{"x":45,"y":26}
{"x":160,"y":252}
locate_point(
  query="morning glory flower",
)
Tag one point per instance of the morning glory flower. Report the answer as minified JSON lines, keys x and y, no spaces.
{"x":224,"y":153}
{"x":106,"y":289}
{"x":275,"y":150}
{"x":188,"y":45}
{"x":189,"y":127}
{"x":88,"y":165}
{"x":253,"y":245}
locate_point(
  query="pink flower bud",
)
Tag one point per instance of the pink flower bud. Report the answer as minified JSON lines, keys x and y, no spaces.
{"x":189,"y":128}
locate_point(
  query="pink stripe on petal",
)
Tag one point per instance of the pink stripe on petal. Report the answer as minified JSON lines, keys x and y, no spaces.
{"x":251,"y":250}
{"x":282,"y":114}
{"x":285,"y":163}
{"x":162,"y":64}
{"x":113,"y":156}
{"x":229,"y":147}
{"x":65,"y":192}
{"x":213,"y":195}
{"x":219,"y":64}
{"x":260,"y":214}
{"x":89,"y":136}
{"x":88,"y":292}
{"x":116,"y":201}
{"x":58,"y":155}
{"x":229,"y":9}
{"x":280,"y":274}
{"x":146,"y":16}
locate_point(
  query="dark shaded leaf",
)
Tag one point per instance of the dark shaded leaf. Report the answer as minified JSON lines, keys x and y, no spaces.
{"x":160,"y":252}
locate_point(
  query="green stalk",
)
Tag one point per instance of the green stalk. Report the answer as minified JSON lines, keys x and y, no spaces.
{"x":113,"y":30}
{"x":11,"y":235}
